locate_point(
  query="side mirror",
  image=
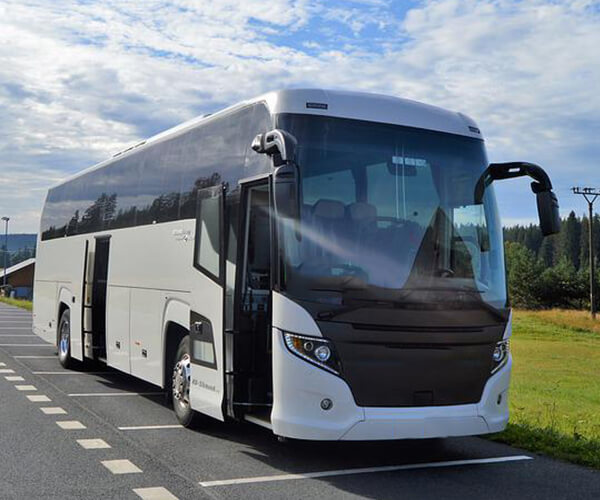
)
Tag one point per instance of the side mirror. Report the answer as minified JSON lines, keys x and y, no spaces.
{"x":285,"y":191}
{"x":281,"y":146}
{"x":547,"y":203}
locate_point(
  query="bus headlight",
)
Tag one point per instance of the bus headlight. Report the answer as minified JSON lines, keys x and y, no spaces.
{"x":500,"y":355}
{"x":317,"y":351}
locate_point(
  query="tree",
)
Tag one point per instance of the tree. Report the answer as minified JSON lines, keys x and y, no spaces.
{"x":548,"y":251}
{"x":570,"y":239}
{"x":563,"y":286}
{"x":523,"y":271}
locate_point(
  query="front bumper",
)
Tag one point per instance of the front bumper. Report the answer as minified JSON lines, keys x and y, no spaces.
{"x":299,"y":388}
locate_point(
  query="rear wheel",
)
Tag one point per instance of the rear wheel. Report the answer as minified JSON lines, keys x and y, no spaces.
{"x":64,"y":339}
{"x":180,"y":385}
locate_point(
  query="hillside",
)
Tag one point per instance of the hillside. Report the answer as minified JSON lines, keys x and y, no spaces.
{"x":18,"y":241}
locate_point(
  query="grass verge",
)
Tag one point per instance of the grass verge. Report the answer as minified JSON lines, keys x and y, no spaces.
{"x":24,"y":304}
{"x":555,"y":388}
{"x":576,"y":449}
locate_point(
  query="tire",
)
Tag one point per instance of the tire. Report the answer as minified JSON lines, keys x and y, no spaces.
{"x":63,"y":341}
{"x":180,"y":386}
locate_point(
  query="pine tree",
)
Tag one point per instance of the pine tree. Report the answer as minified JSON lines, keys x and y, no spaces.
{"x":570,"y":240}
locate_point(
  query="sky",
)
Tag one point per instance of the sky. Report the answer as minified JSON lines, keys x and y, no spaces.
{"x":81,"y":80}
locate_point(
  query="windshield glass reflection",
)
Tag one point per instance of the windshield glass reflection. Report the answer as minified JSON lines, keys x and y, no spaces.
{"x":388,"y":210}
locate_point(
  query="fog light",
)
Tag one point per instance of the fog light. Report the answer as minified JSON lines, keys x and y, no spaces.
{"x":326,"y":404}
{"x":323,"y":353}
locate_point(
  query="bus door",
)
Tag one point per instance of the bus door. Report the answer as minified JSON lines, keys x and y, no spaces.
{"x":207,"y":388}
{"x":252,"y":350}
{"x":97,"y":307}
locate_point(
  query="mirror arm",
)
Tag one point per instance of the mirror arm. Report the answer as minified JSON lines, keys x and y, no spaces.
{"x":510,"y":170}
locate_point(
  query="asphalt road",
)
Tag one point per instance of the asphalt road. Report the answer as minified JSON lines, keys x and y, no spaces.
{"x":69,"y":434}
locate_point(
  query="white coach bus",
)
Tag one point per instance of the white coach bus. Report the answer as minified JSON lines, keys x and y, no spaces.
{"x":326,"y":264}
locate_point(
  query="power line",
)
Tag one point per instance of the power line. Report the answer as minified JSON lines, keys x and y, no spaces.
{"x":590,"y":194}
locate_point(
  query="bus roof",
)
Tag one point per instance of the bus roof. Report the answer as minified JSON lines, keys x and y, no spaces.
{"x":353,"y":105}
{"x":335,"y":103}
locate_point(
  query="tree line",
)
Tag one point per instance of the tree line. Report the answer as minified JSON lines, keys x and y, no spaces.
{"x":551,"y":271}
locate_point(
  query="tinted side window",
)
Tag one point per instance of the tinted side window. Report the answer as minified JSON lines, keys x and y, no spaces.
{"x":98,"y":204}
{"x":208,"y":231}
{"x":122,"y":179}
{"x":257,"y":120}
{"x":158,"y":187}
{"x":53,"y":221}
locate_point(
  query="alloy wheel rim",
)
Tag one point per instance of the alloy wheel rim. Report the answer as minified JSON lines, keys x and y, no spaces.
{"x":181,"y":381}
{"x":64,"y":339}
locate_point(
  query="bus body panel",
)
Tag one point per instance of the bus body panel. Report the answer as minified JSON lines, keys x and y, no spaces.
{"x":58,"y":280}
{"x":207,"y":389}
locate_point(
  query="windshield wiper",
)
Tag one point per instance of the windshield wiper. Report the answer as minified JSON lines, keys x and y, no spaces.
{"x":444,"y":289}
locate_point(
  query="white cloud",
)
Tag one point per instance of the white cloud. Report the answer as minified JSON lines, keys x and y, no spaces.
{"x":79,"y":81}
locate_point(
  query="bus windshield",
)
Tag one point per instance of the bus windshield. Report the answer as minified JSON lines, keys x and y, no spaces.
{"x":388,"y":213}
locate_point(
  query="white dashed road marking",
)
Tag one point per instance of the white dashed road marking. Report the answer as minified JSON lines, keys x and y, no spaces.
{"x":364,"y":470}
{"x":53,"y":410}
{"x":158,"y":493}
{"x":6,"y":370}
{"x":93,"y":444}
{"x":92,"y":394}
{"x":25,"y":387}
{"x":39,"y":398}
{"x":120,"y":466}
{"x":14,"y":378}
{"x":2,"y":364}
{"x":150,"y":427}
{"x":70,"y":425}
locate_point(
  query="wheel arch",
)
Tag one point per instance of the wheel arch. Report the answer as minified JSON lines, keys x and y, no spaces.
{"x":176,"y":326}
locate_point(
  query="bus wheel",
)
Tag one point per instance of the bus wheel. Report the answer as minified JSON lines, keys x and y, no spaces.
{"x":64,"y":339}
{"x":181,"y":382}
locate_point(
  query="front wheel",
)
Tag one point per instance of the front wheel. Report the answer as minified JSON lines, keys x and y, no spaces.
{"x":64,"y":339}
{"x":181,"y":382}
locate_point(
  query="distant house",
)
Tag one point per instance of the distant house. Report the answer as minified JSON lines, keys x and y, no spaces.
{"x":20,"y":278}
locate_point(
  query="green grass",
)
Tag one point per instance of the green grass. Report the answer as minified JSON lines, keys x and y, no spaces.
{"x":555,"y":388}
{"x":25,"y":304}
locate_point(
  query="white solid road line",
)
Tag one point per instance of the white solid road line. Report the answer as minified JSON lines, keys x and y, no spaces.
{"x":14,"y":378}
{"x":364,"y":470}
{"x":53,"y":410}
{"x":26,"y":345}
{"x":158,"y":493}
{"x":67,"y":372}
{"x":70,"y":425}
{"x":93,"y":444}
{"x":38,"y":398}
{"x":34,"y":357}
{"x":25,"y":387}
{"x":150,"y":427}
{"x":120,"y":466}
{"x":101,"y":394}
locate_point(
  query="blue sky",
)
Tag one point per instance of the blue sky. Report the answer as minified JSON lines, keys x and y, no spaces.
{"x":80,"y":80}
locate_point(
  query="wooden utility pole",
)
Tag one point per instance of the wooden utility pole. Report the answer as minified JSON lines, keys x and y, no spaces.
{"x":590,"y":195}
